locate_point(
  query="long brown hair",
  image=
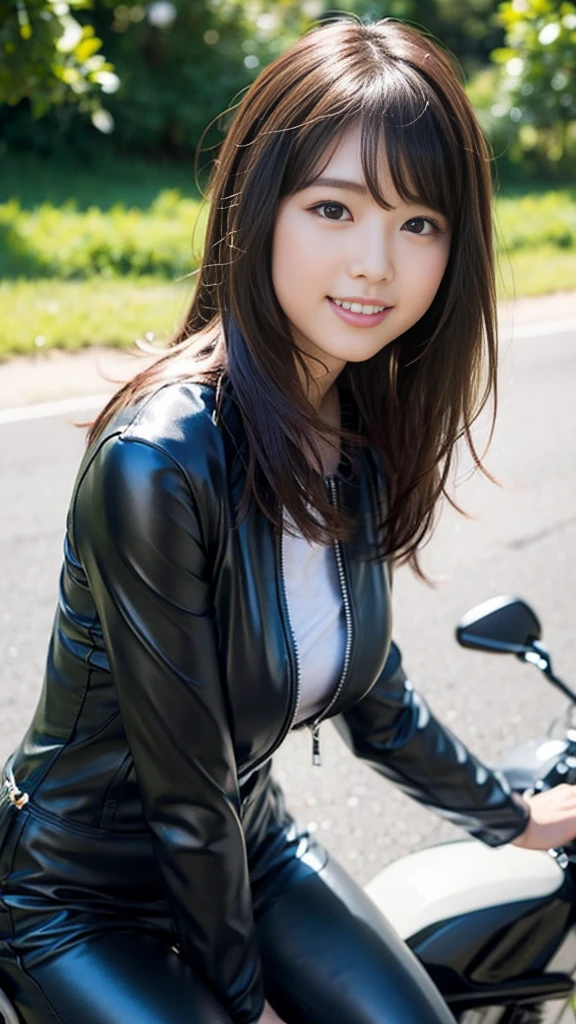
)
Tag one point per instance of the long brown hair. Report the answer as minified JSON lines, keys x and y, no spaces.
{"x":418,"y":395}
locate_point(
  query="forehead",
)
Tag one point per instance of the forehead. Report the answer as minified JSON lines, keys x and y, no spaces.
{"x":345,"y":149}
{"x":343,"y":159}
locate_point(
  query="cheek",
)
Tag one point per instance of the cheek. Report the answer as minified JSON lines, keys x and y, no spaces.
{"x":442,"y":257}
{"x":429,"y":271}
{"x":296,"y":265}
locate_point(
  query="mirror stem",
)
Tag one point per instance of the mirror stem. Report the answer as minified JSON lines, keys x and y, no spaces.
{"x":567,"y":690}
{"x":538,"y":655}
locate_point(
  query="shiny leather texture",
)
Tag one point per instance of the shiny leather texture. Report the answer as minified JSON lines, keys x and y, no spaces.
{"x":171,"y":679}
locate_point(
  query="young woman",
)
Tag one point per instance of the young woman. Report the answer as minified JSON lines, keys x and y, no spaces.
{"x":226,"y":573}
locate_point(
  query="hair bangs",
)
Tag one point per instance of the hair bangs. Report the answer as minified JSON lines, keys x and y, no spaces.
{"x":399,"y":128}
{"x":312,"y":150}
{"x":403,"y":133}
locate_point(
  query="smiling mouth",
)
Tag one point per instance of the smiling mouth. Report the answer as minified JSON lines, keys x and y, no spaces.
{"x":367,"y":308}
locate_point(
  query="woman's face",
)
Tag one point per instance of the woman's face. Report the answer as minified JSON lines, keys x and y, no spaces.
{"x":335,"y":242}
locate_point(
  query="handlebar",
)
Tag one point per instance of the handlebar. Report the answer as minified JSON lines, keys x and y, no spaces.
{"x":562,"y":771}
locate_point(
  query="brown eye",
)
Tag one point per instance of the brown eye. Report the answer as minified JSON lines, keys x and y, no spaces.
{"x":420,"y":221}
{"x":331,"y":207}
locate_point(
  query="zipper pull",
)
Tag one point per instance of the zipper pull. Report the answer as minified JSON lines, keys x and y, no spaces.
{"x":15,"y":795}
{"x":316,"y":744}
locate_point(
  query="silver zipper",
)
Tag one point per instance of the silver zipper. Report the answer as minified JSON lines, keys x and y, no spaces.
{"x":315,"y":725}
{"x":285,"y":731}
{"x":294,"y":640}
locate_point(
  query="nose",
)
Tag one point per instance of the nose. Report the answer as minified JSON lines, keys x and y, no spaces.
{"x":373,"y":259}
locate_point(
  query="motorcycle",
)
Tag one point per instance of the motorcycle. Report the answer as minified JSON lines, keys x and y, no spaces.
{"x":494,"y":927}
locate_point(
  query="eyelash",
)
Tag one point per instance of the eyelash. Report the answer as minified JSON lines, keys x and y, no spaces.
{"x":332,"y":202}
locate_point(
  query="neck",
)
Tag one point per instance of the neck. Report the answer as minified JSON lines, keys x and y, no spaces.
{"x":320,"y":391}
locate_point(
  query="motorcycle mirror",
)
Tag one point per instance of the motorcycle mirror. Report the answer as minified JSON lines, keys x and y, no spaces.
{"x":504,"y":625}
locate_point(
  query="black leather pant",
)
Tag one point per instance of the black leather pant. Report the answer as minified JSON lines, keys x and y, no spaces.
{"x":68,"y":956}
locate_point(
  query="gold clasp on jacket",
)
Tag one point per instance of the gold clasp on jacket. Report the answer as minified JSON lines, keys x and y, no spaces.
{"x":15,"y":795}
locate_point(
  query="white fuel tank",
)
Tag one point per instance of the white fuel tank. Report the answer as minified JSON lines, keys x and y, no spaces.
{"x":459,"y":878}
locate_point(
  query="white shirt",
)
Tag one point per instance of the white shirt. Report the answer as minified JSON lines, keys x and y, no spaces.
{"x":316,"y":612}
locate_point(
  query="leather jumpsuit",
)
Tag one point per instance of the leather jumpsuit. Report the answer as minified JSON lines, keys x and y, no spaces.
{"x":149,"y":869}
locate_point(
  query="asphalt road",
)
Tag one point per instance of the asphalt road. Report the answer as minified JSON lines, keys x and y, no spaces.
{"x":521,"y":540}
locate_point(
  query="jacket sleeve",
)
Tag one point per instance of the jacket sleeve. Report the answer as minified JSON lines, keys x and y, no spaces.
{"x":394,"y":730}
{"x":136,"y":527}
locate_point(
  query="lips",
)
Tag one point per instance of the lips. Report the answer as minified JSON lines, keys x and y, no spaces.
{"x":359,"y":319}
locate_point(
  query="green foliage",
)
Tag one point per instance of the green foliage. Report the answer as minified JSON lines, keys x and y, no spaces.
{"x":180,"y":63}
{"x":48,"y":57}
{"x":533,"y":108}
{"x":179,"y":71}
{"x":116,"y":243}
{"x":107,"y":257}
{"x":533,"y":221}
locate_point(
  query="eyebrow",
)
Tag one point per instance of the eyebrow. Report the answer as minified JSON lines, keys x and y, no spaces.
{"x":354,"y":186}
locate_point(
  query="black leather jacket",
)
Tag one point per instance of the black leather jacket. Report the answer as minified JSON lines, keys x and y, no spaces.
{"x":171,"y":678}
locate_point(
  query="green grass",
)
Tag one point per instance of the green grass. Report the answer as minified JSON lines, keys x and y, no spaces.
{"x":37,"y":315}
{"x":535,"y":219}
{"x":164,"y":241}
{"x":104,"y":182}
{"x":539,"y":271}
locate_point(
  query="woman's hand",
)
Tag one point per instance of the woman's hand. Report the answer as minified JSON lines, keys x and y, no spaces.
{"x":552,"y":821}
{"x":269,"y":1016}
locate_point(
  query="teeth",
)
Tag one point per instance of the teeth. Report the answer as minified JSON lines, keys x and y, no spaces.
{"x":356,"y":307}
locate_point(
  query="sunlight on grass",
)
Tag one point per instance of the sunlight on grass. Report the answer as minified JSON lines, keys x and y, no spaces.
{"x":37,"y":315}
{"x":537,"y":272}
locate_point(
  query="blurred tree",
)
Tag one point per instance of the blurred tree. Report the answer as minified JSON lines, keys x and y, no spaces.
{"x":534,"y":102}
{"x":48,"y":57}
{"x":181,"y":62}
